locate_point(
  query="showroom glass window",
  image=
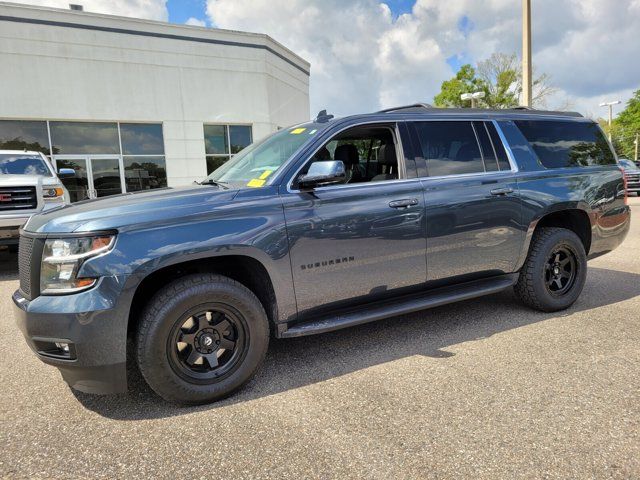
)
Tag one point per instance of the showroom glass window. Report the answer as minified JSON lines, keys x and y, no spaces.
{"x":143,"y":156}
{"x":24,"y":135}
{"x":221,"y":142}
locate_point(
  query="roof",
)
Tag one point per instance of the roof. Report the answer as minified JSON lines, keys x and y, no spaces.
{"x":517,"y":111}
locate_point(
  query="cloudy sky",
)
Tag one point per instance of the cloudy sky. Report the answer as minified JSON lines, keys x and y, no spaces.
{"x":368,"y":54}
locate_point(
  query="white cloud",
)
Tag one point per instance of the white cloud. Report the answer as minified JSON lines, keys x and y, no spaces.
{"x":148,"y":9}
{"x":363,"y":59}
{"x":196,"y":22}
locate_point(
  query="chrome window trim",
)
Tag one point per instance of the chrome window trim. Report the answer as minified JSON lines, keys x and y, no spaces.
{"x":507,"y":147}
{"x":399,"y":154}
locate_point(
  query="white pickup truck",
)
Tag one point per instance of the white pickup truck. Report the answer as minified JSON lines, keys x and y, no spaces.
{"x":28,"y":185}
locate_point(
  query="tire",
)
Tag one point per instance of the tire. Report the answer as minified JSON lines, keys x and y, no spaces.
{"x":540,"y":285}
{"x":203,"y":318}
{"x":12,"y":248}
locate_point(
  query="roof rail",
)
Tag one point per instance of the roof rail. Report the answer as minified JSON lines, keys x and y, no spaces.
{"x":415,"y":106}
{"x":522,"y":107}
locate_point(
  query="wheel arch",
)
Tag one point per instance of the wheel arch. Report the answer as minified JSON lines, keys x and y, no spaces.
{"x":575,"y":218}
{"x":245,"y":269}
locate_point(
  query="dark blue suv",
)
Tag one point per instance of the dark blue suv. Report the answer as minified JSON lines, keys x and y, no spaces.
{"x":317,"y":227}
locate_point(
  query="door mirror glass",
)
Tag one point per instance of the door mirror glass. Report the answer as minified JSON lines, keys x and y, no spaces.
{"x":322,"y":173}
{"x":66,"y":173}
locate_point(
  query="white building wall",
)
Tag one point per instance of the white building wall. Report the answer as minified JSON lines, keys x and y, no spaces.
{"x":53,"y":72}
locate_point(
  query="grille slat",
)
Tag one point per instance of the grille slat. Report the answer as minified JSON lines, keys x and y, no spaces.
{"x":24,"y":264}
{"x":18,"y":198}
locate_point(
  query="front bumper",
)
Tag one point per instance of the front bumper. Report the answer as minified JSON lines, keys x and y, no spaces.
{"x":10,"y":228}
{"x":94,"y":322}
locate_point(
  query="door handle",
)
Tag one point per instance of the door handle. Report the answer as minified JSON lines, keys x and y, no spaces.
{"x":501,"y":191}
{"x":404,"y":203}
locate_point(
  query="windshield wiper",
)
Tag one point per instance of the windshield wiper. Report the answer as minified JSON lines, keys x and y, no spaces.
{"x":217,"y":183}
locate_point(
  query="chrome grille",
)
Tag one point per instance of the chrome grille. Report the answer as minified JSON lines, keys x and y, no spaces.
{"x":24,"y":264}
{"x":18,"y":198}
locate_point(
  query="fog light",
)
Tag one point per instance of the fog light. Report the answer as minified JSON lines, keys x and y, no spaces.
{"x":55,"y":348}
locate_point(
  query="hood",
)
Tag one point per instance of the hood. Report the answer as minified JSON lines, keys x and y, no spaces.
{"x":7,"y":180}
{"x":130,"y":210}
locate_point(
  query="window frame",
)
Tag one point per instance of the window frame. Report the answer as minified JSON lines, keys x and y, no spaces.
{"x":512,"y":163}
{"x":392,"y":125}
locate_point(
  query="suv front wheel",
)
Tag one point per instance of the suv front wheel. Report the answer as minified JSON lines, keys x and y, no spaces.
{"x":201,"y":338}
{"x":555,"y":271}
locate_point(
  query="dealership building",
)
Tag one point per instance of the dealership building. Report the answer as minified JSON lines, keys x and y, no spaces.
{"x":134,"y":104}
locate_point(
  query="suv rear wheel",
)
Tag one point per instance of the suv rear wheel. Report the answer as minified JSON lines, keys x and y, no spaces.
{"x":201,"y":338}
{"x":555,"y":271}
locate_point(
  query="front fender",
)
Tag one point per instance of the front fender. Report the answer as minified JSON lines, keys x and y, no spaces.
{"x":254,"y":228}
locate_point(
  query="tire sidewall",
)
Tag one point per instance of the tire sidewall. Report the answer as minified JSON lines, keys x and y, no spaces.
{"x":159,"y":320}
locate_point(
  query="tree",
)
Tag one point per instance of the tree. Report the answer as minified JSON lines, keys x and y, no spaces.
{"x":465,"y":81}
{"x":500,"y":77}
{"x":625,"y":127}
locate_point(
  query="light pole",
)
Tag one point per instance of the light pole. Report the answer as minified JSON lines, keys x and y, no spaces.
{"x":610,"y":105}
{"x":473,"y":97}
{"x":636,"y":142}
{"x":527,"y":82}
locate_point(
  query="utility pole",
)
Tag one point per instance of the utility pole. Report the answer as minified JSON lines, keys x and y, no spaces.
{"x":527,"y":83}
{"x":610,"y":105}
{"x":637,"y":141}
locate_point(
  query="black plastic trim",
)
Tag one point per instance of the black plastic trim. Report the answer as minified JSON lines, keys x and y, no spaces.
{"x":400,"y":306}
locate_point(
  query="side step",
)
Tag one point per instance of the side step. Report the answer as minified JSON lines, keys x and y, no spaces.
{"x":401,"y":305}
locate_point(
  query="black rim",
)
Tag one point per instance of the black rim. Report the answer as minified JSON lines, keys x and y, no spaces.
{"x":207,"y":342}
{"x":560,"y":270}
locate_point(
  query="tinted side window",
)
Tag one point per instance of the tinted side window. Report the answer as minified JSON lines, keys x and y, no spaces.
{"x":488,"y":154}
{"x":498,"y":146}
{"x":450,"y":148}
{"x":567,"y":144}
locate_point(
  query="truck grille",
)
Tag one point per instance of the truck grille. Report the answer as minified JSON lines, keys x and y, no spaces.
{"x":632,"y":177}
{"x":24,"y":264}
{"x":18,"y":198}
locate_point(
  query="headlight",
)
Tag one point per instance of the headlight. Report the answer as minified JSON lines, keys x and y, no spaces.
{"x":52,"y":193}
{"x":61,"y":261}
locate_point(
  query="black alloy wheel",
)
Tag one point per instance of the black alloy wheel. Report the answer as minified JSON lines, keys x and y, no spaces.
{"x":208,"y":343}
{"x":560,"y":270}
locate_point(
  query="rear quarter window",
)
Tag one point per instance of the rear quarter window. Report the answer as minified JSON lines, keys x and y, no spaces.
{"x":560,"y":144}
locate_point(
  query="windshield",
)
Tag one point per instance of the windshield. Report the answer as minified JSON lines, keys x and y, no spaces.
{"x":628,"y":164}
{"x":20,"y":164}
{"x":253,"y":166}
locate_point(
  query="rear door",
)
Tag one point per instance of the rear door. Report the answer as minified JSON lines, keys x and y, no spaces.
{"x":473,"y":209}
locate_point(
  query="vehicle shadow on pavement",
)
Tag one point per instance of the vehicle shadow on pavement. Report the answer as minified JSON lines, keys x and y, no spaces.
{"x":295,"y":363}
{"x":8,"y":265}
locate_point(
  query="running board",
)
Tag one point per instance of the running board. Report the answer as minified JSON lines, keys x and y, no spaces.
{"x":400,"y":306}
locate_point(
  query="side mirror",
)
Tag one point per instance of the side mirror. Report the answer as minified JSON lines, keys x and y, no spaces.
{"x":326,"y":172}
{"x":66,"y":173}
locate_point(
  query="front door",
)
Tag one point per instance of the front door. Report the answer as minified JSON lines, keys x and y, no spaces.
{"x":96,"y":176}
{"x":356,"y":242}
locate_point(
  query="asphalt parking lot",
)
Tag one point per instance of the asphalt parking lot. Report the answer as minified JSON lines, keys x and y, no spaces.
{"x":480,"y":389}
